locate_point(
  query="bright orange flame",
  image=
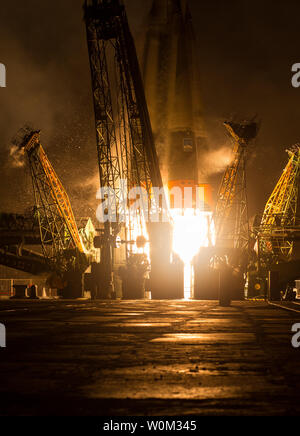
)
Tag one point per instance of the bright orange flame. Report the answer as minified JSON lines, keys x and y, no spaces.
{"x":192,"y":230}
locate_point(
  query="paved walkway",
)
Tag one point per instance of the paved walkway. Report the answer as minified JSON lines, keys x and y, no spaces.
{"x":148,"y":358}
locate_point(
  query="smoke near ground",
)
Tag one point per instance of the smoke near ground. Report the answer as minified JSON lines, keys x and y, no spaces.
{"x":245,"y":61}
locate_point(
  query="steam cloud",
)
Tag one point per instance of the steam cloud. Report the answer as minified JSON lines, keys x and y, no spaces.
{"x":216,"y":161}
{"x":17,"y":156}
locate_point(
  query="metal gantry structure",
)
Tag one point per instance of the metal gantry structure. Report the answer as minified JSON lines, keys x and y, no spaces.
{"x":125,"y":143}
{"x":124,"y":136}
{"x":278,"y":227}
{"x":231,"y":212}
{"x":60,"y":239}
{"x":16,"y":233}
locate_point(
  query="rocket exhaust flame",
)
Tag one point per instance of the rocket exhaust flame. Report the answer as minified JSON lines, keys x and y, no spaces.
{"x":192,"y":229}
{"x":193,"y":225}
{"x":190,"y":211}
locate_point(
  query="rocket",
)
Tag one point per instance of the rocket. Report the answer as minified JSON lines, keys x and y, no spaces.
{"x":172,"y":87}
{"x":171,"y":78}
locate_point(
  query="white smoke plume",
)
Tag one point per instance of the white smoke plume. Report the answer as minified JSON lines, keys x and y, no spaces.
{"x":17,"y":157}
{"x":216,"y":161}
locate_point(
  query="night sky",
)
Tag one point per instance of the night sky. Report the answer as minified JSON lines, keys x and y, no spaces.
{"x":246,"y":51}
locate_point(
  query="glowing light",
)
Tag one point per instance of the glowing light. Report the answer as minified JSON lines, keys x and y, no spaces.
{"x":192,"y":230}
{"x":137,"y":229}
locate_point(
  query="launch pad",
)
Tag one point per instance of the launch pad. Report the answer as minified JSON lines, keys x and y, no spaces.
{"x":150,"y":273}
{"x":149,"y":358}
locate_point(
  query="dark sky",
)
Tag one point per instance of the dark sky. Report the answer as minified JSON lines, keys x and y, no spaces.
{"x":246,"y":50}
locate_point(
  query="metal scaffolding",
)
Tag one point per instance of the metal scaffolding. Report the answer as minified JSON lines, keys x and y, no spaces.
{"x":231,"y":212}
{"x":125,"y":144}
{"x":60,"y":239}
{"x":278,"y":225}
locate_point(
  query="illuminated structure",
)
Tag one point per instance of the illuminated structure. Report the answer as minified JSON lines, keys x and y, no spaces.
{"x":278,"y":225}
{"x":57,"y":224}
{"x":125,"y":143}
{"x":60,"y":240}
{"x":66,"y":250}
{"x":231,"y":212}
{"x":172,"y":85}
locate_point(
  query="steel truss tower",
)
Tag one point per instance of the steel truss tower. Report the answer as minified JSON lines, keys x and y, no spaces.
{"x":125,"y":143}
{"x":231,"y":213}
{"x":60,"y":239}
{"x":278,"y":224}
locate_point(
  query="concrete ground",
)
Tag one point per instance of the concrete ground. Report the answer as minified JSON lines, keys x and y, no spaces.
{"x":148,"y":358}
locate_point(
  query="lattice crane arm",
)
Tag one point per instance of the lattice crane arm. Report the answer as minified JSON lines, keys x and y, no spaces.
{"x":284,"y":194}
{"x":58,"y":228}
{"x":62,"y":199}
{"x":281,"y":210}
{"x":125,"y":143}
{"x":231,"y":216}
{"x":134,"y":156}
